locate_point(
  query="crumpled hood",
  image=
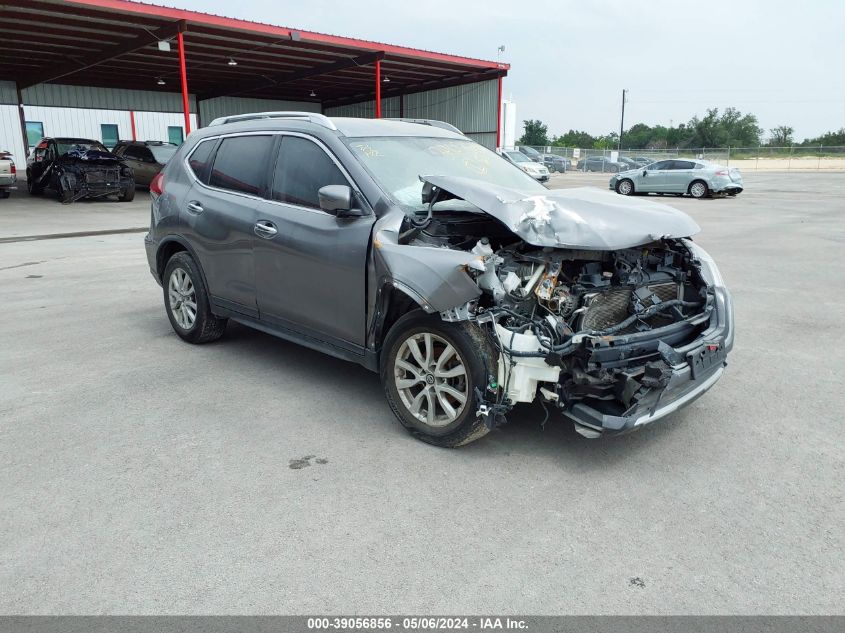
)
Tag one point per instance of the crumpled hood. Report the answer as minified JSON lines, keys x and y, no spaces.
{"x":584,"y":217}
{"x":92,"y":156}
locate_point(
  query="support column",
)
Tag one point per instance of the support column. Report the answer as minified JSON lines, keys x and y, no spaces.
{"x":132,"y":123}
{"x":378,"y":88}
{"x":183,"y":74}
{"x":22,"y":116}
{"x":499,"y":116}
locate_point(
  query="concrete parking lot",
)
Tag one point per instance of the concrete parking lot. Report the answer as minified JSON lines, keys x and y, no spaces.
{"x":144,"y":475}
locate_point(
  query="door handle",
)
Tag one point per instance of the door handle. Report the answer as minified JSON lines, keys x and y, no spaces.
{"x":265,"y":229}
{"x":195,"y":207}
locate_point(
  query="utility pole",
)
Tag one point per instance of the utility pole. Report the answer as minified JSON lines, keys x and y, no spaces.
{"x":622,"y":124}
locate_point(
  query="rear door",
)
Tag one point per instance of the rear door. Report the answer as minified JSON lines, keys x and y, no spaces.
{"x":679,"y":176}
{"x":653,"y":178}
{"x":310,"y":265}
{"x":219,"y":213}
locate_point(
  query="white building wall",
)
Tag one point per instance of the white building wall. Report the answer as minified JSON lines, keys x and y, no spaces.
{"x":85,"y":122}
{"x":10,"y":134}
{"x":152,"y":126}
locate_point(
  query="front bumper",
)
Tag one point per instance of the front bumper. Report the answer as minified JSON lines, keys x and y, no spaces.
{"x":695,"y":368}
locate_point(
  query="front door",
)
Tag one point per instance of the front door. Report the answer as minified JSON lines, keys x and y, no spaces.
{"x":653,"y":177}
{"x":310,"y":265}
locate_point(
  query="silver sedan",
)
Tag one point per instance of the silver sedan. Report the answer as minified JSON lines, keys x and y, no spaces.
{"x":697,"y":178}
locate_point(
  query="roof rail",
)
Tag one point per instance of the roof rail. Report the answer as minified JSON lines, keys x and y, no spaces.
{"x":431,"y":122}
{"x":313,"y":117}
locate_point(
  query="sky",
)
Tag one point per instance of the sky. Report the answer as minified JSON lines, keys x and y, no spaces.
{"x":570,"y":60}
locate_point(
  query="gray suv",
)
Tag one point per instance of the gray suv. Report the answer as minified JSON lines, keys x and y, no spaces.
{"x":414,"y":251}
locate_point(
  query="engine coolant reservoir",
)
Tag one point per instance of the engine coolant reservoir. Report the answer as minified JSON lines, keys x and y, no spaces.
{"x":524,"y":377}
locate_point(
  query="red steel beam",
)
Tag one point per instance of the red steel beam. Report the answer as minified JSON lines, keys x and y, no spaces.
{"x":132,"y":122}
{"x":378,"y":88}
{"x":183,"y":74}
{"x":499,"y":116}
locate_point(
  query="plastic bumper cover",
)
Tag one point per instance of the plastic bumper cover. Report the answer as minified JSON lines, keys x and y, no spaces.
{"x":705,"y":360}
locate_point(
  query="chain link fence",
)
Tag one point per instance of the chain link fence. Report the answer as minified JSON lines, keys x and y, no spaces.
{"x":764,"y":158}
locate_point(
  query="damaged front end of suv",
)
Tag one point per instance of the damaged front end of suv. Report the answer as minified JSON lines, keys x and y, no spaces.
{"x":600,"y":306}
{"x":89,"y":172}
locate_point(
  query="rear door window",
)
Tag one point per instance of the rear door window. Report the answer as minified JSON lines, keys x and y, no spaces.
{"x":303,"y":167}
{"x":682,"y":164}
{"x":240,"y":164}
{"x":200,"y":160}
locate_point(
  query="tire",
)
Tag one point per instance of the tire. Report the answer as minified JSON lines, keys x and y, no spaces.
{"x":455,"y":390}
{"x":128,"y":194}
{"x":698,"y":189}
{"x":31,"y":187}
{"x":4,"y":193}
{"x":625,"y":187}
{"x":65,"y":195}
{"x":184,"y":287}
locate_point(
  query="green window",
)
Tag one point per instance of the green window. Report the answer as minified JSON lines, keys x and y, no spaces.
{"x":175,"y":134}
{"x":34,"y":132}
{"x":109,"y":132}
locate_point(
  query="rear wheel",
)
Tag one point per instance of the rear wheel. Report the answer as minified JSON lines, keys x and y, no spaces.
{"x":430,"y":370}
{"x":625,"y":187}
{"x":698,"y":189}
{"x":186,"y":300}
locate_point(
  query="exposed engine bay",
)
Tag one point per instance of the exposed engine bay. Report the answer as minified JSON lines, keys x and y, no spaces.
{"x":571,"y":325}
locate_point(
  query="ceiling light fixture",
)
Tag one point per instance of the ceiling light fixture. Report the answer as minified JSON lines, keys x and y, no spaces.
{"x":313,"y":94}
{"x":160,"y":81}
{"x":232,"y":62}
{"x":386,"y":80}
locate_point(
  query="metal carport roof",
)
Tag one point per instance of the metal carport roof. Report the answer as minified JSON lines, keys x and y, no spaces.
{"x":114,"y":43}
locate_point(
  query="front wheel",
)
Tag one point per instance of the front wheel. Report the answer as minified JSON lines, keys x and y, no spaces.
{"x":186,"y":301}
{"x":625,"y":187}
{"x":430,"y":370}
{"x":31,"y":187}
{"x":128,"y":194}
{"x":698,"y":189}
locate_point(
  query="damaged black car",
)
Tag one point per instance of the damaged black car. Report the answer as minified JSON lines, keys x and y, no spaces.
{"x":469,"y":287}
{"x":77,"y":168}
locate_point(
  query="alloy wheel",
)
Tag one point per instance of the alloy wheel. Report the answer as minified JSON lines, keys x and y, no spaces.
{"x":431,"y":379}
{"x":698,"y":189}
{"x":182,"y":297}
{"x":625,"y":187}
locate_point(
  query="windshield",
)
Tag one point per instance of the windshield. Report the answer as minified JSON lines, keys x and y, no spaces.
{"x":397,"y":163}
{"x":519,"y":157}
{"x":65,"y":146}
{"x":162,"y":153}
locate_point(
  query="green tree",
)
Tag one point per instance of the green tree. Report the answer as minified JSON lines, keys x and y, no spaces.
{"x":535,"y":132}
{"x":781,"y":136}
{"x":574,"y":138}
{"x":828,"y":138}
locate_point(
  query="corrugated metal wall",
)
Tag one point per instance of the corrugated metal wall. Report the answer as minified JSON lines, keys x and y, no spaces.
{"x":86,"y":122}
{"x":10,"y":133}
{"x":471,"y":108}
{"x":210,"y":109}
{"x":8,"y":93}
{"x":367,"y":109}
{"x":104,"y":98}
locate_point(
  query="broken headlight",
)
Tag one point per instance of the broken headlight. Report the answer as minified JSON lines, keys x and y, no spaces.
{"x":709,"y":269}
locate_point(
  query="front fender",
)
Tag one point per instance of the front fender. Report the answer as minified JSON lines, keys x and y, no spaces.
{"x":436,"y":278}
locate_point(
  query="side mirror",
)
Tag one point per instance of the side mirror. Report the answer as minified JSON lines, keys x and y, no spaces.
{"x":645,"y":173}
{"x":337,"y":200}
